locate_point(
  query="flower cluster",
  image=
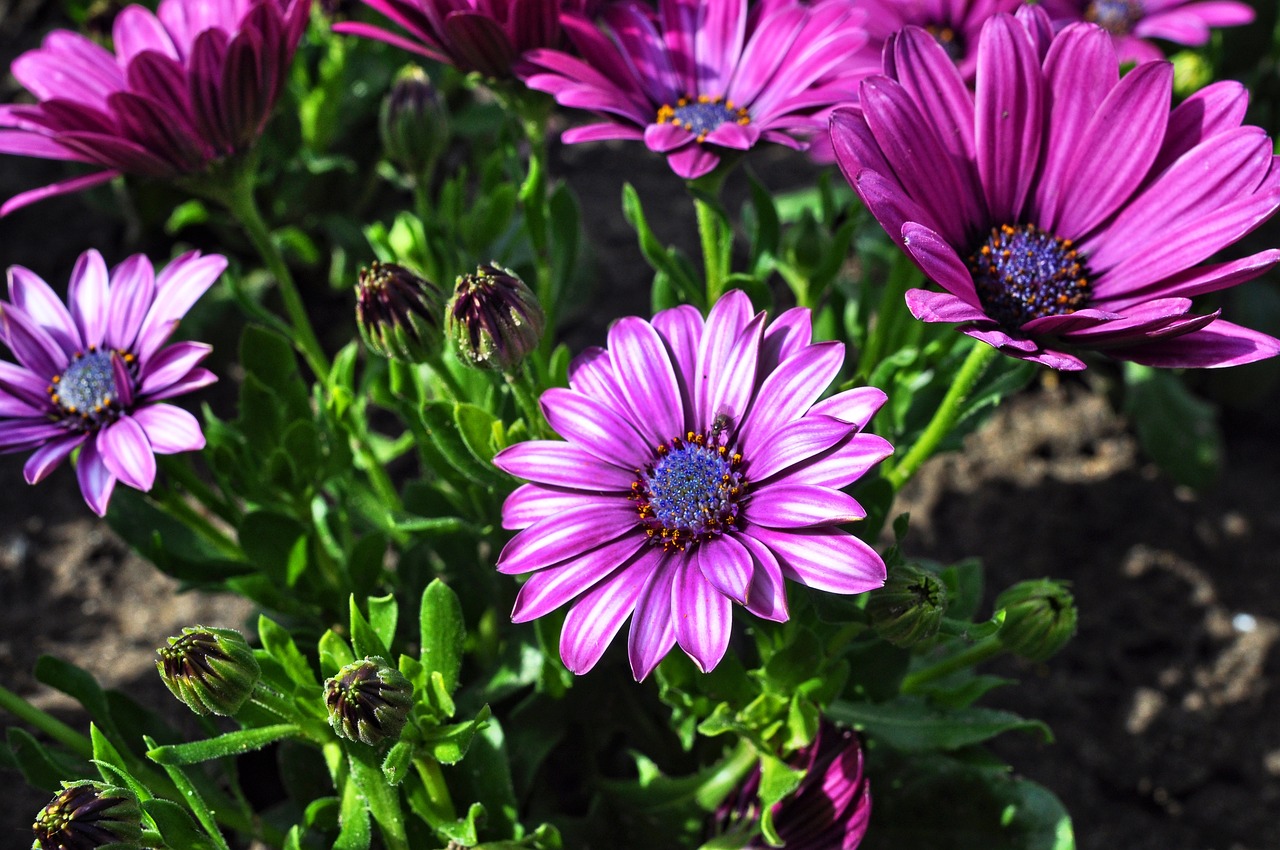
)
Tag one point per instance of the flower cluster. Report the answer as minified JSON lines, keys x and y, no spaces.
{"x":700,"y":470}
{"x":999,"y":195}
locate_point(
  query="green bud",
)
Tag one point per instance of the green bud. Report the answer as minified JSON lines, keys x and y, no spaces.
{"x":1039,"y":618}
{"x":1191,"y":72}
{"x":89,"y":815}
{"x":399,"y":313}
{"x":212,"y":670}
{"x":908,"y":610}
{"x":494,"y":319}
{"x":413,"y":123}
{"x":368,"y":701}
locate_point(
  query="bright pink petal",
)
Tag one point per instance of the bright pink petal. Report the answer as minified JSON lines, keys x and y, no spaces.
{"x":703,"y":617}
{"x":170,"y":429}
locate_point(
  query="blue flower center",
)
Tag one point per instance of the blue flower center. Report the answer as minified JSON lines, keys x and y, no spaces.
{"x":1023,"y":273}
{"x":691,"y":492}
{"x":1114,"y":16}
{"x":702,"y":114}
{"x":86,"y":394}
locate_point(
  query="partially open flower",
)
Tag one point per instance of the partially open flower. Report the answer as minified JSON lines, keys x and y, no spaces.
{"x":399,"y":314}
{"x":494,"y":319}
{"x":368,"y":701}
{"x":186,"y":86}
{"x":212,"y":670}
{"x":908,"y":610}
{"x":1039,"y":618}
{"x":830,"y":808}
{"x":89,"y":815}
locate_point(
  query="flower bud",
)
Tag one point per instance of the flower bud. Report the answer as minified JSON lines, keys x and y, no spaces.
{"x":413,"y":123}
{"x":1039,"y":618}
{"x":830,"y":808}
{"x":908,"y":610}
{"x":89,"y":815}
{"x":368,"y":701}
{"x":494,"y":319}
{"x":399,"y":313}
{"x":212,"y":670}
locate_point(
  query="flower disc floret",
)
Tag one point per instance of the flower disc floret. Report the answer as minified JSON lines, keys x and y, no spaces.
{"x":1022,"y":273}
{"x":702,"y":115}
{"x":1115,"y":16}
{"x":623,"y":520}
{"x":1062,"y":207}
{"x":690,"y":493}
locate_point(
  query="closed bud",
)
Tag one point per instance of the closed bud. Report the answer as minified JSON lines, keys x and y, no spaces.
{"x":89,"y":815}
{"x":399,"y":313}
{"x":494,"y":319}
{"x":1039,"y":618}
{"x":413,"y":123}
{"x":212,"y":670}
{"x":368,"y":701}
{"x":909,"y":608}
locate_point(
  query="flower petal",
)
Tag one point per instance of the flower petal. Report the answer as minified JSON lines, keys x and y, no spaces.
{"x":703,"y":617}
{"x":591,"y":624}
{"x":96,"y":481}
{"x":653,"y":630}
{"x":832,"y":560}
{"x":46,"y":458}
{"x":801,"y":506}
{"x":170,"y":429}
{"x":546,"y":590}
{"x":127,"y":453}
{"x":563,"y":536}
{"x":727,"y":565}
{"x":595,"y":428}
{"x":564,"y":465}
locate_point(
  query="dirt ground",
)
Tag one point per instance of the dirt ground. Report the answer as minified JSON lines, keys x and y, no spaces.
{"x":1164,"y":706}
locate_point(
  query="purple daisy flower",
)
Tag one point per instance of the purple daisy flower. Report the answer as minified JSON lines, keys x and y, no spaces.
{"x":700,"y":78}
{"x":487,"y":36}
{"x":184,"y":89}
{"x":828,"y":811}
{"x":954,"y":23}
{"x":1062,"y":207}
{"x":1132,"y":22}
{"x":700,"y":470}
{"x":92,"y":377}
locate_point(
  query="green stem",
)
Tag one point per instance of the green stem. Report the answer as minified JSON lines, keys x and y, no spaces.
{"x":533,"y":109}
{"x":437,"y":790}
{"x":945,"y":417}
{"x":728,"y":777}
{"x":46,"y":723}
{"x":178,"y":507}
{"x":889,"y":314}
{"x":713,"y":232}
{"x":526,"y":394}
{"x":962,"y":660}
{"x":241,"y":203}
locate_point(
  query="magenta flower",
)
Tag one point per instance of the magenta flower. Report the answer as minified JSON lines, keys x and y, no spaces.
{"x":487,"y":36}
{"x":700,"y":470}
{"x":92,"y":377}
{"x":183,"y":90}
{"x":1063,"y":208}
{"x":701,"y":78}
{"x":954,"y":23}
{"x":1132,"y":22}
{"x":828,"y":811}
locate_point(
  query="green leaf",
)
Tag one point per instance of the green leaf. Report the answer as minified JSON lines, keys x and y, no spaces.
{"x":964,"y":588}
{"x":464,"y":831}
{"x":443,"y":632}
{"x":383,"y":615}
{"x":174,"y":825}
{"x":364,"y":640}
{"x":335,"y":653}
{"x":279,"y":645}
{"x":1179,"y":431}
{"x":449,"y":744}
{"x":661,"y":259}
{"x":354,"y":829}
{"x":475,"y":426}
{"x":938,"y":801}
{"x":169,"y":544}
{"x":42,"y":767}
{"x":912,"y":725}
{"x":193,"y":799}
{"x":398,"y":759}
{"x":269,"y":541}
{"x":184,"y":215}
{"x":231,"y":744}
{"x":383,"y":800}
{"x":777,"y":780}
{"x":442,"y":426}
{"x":80,"y":685}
